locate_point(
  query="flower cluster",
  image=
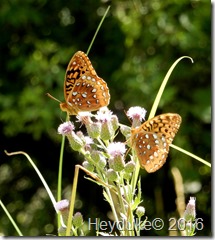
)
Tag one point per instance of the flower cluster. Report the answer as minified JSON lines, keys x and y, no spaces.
{"x":106,"y":158}
{"x":98,"y":147}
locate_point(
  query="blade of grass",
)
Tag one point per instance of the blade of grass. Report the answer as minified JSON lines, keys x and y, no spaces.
{"x":191,"y":155}
{"x":38,"y":173}
{"x":11,"y":219}
{"x":97,"y":30}
{"x":163,"y":85}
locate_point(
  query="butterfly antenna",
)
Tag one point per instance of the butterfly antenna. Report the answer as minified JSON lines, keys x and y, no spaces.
{"x":127,"y":116}
{"x":49,"y":95}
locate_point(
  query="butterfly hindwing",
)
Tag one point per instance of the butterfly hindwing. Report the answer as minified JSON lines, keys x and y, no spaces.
{"x":151,"y":140}
{"x":89,"y":94}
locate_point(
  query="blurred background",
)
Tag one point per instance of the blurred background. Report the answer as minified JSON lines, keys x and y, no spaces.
{"x":136,"y":45}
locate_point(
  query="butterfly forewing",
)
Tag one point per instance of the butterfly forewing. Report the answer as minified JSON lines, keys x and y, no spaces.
{"x":151,"y":140}
{"x":166,"y":124}
{"x":83,"y":89}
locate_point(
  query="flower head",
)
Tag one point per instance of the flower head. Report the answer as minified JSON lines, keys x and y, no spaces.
{"x":84,"y":117}
{"x":190,"y":212}
{"x":103,"y":115}
{"x":83,"y":114}
{"x":102,"y":162}
{"x":107,"y":131}
{"x":116,"y":149}
{"x":87,"y":141}
{"x":140,"y":211}
{"x":125,"y":130}
{"x":136,"y":113}
{"x":96,"y":156}
{"x":62,"y":205}
{"x":66,"y":128}
{"x":109,"y":123}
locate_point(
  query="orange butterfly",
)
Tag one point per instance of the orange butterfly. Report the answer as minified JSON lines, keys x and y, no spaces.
{"x":151,"y":140}
{"x":84,"y":90}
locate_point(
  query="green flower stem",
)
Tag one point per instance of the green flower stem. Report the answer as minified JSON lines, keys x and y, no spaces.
{"x":60,"y":170}
{"x":130,"y":217}
{"x":131,"y":220}
{"x":137,"y":228}
{"x":11,"y":219}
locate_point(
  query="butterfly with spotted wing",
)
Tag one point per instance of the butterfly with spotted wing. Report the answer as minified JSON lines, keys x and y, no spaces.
{"x":84,"y":90}
{"x":151,"y":140}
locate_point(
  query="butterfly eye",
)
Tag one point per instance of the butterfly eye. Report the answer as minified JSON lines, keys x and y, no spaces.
{"x":83,"y":89}
{"x":151,"y":140}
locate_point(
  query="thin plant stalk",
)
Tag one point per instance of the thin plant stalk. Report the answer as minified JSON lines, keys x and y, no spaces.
{"x":163,"y":85}
{"x":60,"y":170}
{"x":97,"y":30}
{"x":72,"y":201}
{"x":11,"y":219}
{"x":191,"y":155}
{"x":38,"y":173}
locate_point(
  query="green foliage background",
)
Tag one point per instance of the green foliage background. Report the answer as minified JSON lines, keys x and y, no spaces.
{"x":138,"y":42}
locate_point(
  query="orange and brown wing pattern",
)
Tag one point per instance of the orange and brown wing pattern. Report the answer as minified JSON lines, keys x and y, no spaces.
{"x":83,"y":89}
{"x":151,"y":140}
